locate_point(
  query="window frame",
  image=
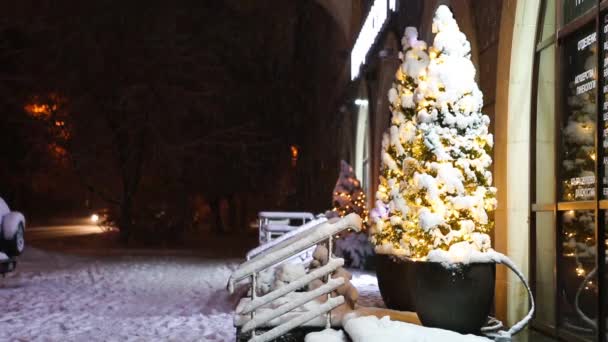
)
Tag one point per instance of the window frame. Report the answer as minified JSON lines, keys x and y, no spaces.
{"x":598,"y":205}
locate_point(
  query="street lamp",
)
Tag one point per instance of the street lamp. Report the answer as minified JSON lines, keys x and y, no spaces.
{"x":361,"y":102}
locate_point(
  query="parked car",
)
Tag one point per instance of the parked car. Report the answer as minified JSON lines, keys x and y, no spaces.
{"x":12,"y":236}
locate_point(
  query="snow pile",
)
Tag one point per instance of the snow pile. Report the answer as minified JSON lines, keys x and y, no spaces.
{"x":435,"y":185}
{"x":266,"y":281}
{"x":327,"y":335}
{"x":365,"y":329}
{"x":273,"y":278}
{"x":289,"y":272}
{"x":3,"y":256}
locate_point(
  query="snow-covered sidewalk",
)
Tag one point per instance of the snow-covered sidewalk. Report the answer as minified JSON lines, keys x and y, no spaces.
{"x":53,"y":297}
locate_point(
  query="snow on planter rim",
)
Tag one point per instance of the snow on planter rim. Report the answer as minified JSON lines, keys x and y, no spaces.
{"x":463,"y":253}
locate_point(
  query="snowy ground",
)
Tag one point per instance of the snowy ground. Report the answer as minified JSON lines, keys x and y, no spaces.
{"x":54,"y":297}
{"x":367,"y":285}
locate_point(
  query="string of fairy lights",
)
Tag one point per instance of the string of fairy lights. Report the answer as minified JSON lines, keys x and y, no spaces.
{"x":356,"y":203}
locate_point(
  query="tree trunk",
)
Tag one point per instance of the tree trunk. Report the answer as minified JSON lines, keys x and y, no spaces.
{"x":243,"y":211}
{"x":125,"y":222}
{"x":218,"y":226}
{"x":233,"y":212}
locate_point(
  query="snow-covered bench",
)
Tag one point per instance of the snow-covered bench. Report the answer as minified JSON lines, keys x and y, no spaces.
{"x":293,"y":309}
{"x":273,"y":224}
{"x":288,"y":235}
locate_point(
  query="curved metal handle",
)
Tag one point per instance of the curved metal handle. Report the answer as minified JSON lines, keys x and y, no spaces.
{"x":493,"y":330}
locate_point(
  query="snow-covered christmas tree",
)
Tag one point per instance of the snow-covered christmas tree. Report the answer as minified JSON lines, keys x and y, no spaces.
{"x":348,"y":196}
{"x":435,"y":188}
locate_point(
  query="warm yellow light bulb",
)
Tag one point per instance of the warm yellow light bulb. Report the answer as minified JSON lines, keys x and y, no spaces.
{"x":580,"y":271}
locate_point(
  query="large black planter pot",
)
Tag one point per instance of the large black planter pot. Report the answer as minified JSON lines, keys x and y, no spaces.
{"x":394,"y":280}
{"x":458,"y":298}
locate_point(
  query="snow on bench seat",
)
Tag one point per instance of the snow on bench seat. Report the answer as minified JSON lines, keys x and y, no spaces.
{"x":280,"y":228}
{"x":279,"y":215}
{"x":273,"y":243}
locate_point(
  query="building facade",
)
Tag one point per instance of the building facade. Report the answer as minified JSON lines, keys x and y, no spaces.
{"x":541,"y":67}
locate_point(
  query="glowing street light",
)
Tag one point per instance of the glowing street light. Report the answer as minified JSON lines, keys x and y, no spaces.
{"x":94,"y":218}
{"x":361,"y":102}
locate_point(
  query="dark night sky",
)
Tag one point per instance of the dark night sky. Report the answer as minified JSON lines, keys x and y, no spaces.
{"x":166,"y":101}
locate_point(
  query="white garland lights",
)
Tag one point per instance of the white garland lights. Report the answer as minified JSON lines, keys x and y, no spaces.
{"x":435,"y":194}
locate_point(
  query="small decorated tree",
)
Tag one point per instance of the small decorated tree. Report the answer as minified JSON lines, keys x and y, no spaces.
{"x":435,"y":193}
{"x":348,"y":196}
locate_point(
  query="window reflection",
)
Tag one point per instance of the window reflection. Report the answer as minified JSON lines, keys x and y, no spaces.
{"x":577,"y":273}
{"x":579,"y":122}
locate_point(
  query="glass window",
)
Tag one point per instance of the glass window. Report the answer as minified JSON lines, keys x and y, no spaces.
{"x":604,"y":100}
{"x":576,"y":8}
{"x":576,"y":267}
{"x":578,"y":130}
{"x":568,"y":158}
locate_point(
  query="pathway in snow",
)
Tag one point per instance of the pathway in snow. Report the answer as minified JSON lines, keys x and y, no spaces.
{"x":53,"y":297}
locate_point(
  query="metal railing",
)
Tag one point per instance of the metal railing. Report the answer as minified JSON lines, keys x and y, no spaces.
{"x":321,"y":234}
